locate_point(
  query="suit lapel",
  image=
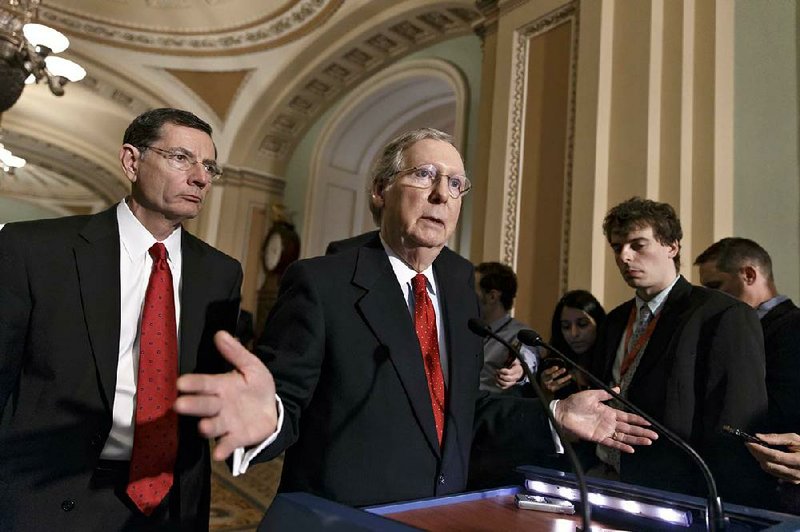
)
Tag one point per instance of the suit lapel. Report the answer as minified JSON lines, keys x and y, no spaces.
{"x":458,"y":305}
{"x":667,"y":325}
{"x":192,"y":293}
{"x":386,"y":313}
{"x":97,"y":262}
{"x":616,"y":331}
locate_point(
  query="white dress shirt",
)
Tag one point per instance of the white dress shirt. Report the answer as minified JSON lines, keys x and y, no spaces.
{"x":404,"y":274}
{"x":135,"y":265}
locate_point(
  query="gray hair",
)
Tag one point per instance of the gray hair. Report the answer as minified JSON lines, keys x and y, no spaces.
{"x":390,"y":161}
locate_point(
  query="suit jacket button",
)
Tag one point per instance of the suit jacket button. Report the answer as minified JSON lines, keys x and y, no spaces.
{"x":67,"y":505}
{"x":441,"y":479}
{"x":96,"y":440}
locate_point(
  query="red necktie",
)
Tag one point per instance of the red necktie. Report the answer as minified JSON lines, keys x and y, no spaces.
{"x":155,"y":437}
{"x":425,"y":325}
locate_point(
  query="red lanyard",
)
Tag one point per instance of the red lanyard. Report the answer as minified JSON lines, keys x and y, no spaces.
{"x":632,"y":351}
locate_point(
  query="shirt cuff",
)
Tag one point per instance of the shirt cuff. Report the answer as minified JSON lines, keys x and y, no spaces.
{"x":242,"y":459}
{"x":553,"y":434}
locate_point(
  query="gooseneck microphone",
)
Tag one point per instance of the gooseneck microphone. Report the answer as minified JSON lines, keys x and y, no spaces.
{"x":480,"y":328}
{"x":715,"y":518}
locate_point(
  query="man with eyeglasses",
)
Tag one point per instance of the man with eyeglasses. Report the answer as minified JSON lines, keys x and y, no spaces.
{"x":98,"y":316}
{"x":375,"y":369}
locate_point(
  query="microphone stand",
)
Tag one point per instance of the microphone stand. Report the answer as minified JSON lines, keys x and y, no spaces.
{"x":715,"y":517}
{"x":480,"y":328}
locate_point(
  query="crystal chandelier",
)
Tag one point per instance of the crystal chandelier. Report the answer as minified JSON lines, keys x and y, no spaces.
{"x":27,"y":53}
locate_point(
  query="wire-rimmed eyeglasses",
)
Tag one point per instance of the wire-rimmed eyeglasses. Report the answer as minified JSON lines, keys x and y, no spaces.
{"x":181,"y":159}
{"x":426,"y":175}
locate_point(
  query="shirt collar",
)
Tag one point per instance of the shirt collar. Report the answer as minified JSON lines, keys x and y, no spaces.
{"x":764,"y":308}
{"x":404,"y":272}
{"x":136,"y":240}
{"x":500,"y":322}
{"x":658,"y":300}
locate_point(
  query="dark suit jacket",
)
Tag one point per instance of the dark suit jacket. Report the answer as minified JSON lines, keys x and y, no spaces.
{"x":59,"y":343}
{"x":359,"y":427}
{"x":782,"y":345}
{"x":703,"y":367}
{"x":349,"y":243}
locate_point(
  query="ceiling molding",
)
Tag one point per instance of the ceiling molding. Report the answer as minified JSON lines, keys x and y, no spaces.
{"x":350,"y":65}
{"x":76,"y":177}
{"x":300,"y":19}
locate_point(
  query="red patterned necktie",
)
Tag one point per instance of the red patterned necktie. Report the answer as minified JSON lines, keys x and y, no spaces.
{"x":155,"y":437}
{"x":425,"y":325}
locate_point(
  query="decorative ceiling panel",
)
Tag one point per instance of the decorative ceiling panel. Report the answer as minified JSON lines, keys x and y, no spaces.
{"x":353,"y":64}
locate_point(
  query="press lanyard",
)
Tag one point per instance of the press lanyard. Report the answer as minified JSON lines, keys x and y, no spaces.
{"x":632,"y":351}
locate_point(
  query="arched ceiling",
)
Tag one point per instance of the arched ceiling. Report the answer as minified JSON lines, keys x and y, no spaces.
{"x":260,"y":71}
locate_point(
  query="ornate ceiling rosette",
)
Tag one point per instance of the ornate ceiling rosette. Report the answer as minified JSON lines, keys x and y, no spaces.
{"x":189,"y":27}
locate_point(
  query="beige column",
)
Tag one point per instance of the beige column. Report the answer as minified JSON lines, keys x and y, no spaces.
{"x":486,"y":29}
{"x":594,"y":102}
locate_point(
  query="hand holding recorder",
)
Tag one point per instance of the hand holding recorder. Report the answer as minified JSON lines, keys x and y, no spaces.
{"x":784,"y":464}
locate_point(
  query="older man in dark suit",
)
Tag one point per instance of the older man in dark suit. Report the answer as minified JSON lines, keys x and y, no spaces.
{"x":99,"y":315}
{"x":372,"y":359}
{"x":691,"y":357}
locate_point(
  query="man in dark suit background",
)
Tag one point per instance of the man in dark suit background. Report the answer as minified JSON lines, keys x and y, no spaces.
{"x":691,"y":357}
{"x":743,"y":269}
{"x":347,"y":243}
{"x":373,"y":362}
{"x":73,"y":345}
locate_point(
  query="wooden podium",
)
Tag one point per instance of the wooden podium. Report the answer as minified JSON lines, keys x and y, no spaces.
{"x":615,"y":506}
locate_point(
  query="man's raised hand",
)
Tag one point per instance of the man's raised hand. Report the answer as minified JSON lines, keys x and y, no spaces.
{"x":238,"y":407}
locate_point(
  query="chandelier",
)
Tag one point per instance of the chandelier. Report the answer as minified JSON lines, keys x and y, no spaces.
{"x":27,"y":53}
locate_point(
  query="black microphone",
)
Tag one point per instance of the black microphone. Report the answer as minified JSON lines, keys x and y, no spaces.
{"x":715,"y":518}
{"x":480,"y":328}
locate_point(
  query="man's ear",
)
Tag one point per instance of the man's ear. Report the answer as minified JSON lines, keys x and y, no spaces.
{"x":674,"y":249}
{"x":376,"y":197}
{"x":494,"y":295}
{"x":129,"y":157}
{"x":748,"y":274}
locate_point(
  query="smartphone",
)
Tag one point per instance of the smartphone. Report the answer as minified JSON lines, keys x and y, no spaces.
{"x":742,"y":435}
{"x":544,"y":504}
{"x":551,"y":361}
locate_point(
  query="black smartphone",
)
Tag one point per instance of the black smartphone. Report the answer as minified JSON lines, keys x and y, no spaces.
{"x":744,"y":436}
{"x":552,"y":361}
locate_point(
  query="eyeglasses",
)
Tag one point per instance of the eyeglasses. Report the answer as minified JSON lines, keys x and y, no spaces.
{"x":180,"y":159}
{"x":426,"y":175}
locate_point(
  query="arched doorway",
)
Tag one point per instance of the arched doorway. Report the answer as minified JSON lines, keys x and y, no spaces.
{"x":429,"y":92}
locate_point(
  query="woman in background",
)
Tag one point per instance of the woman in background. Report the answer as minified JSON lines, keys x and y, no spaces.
{"x":573,"y":331}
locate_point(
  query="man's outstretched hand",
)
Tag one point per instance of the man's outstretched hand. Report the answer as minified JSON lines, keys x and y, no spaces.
{"x":585,"y":416}
{"x":238,"y":408}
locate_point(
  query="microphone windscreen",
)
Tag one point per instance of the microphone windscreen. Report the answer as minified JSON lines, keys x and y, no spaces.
{"x":478,"y":326}
{"x":529,"y":337}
